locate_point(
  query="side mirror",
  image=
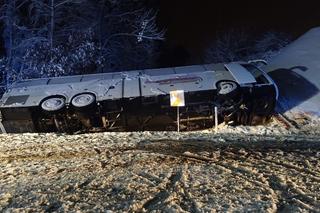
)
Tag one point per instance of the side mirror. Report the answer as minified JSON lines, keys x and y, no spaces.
{"x":257,"y":61}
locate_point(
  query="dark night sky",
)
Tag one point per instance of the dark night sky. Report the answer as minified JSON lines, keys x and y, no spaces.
{"x":191,"y":25}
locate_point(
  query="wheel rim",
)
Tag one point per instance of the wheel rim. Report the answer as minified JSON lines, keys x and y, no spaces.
{"x":53,"y":104}
{"x":226,"y":87}
{"x":83,"y":100}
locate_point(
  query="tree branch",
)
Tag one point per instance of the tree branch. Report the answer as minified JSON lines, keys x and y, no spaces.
{"x":22,"y":3}
{"x":65,"y":2}
{"x":131,"y":35}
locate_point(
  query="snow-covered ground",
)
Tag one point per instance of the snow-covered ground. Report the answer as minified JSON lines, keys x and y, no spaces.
{"x":259,"y":169}
{"x":296,"y":70}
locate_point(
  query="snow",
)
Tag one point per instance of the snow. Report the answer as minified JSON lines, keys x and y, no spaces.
{"x":296,"y":70}
{"x":160,"y":171}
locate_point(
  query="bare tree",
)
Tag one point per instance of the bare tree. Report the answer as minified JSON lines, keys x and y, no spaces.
{"x":63,"y":37}
{"x":53,"y":11}
{"x":134,"y":43}
{"x":125,"y":32}
{"x":241,"y":45}
{"x":230,"y":45}
{"x":10,"y":16}
{"x":269,"y":44}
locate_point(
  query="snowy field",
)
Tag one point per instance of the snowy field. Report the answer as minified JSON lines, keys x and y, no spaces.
{"x":259,"y":169}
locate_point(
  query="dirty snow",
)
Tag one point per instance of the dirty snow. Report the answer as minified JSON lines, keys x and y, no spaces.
{"x":260,"y":169}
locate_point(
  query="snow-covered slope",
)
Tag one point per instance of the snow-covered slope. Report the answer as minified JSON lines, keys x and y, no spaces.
{"x":296,"y":69}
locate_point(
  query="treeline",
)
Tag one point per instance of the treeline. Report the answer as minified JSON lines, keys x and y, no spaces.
{"x":45,"y":38}
{"x":243,"y":45}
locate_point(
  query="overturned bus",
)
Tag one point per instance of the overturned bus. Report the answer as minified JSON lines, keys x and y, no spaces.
{"x":140,"y":100}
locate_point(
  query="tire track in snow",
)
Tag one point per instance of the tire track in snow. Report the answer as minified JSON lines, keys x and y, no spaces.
{"x":261,"y":173}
